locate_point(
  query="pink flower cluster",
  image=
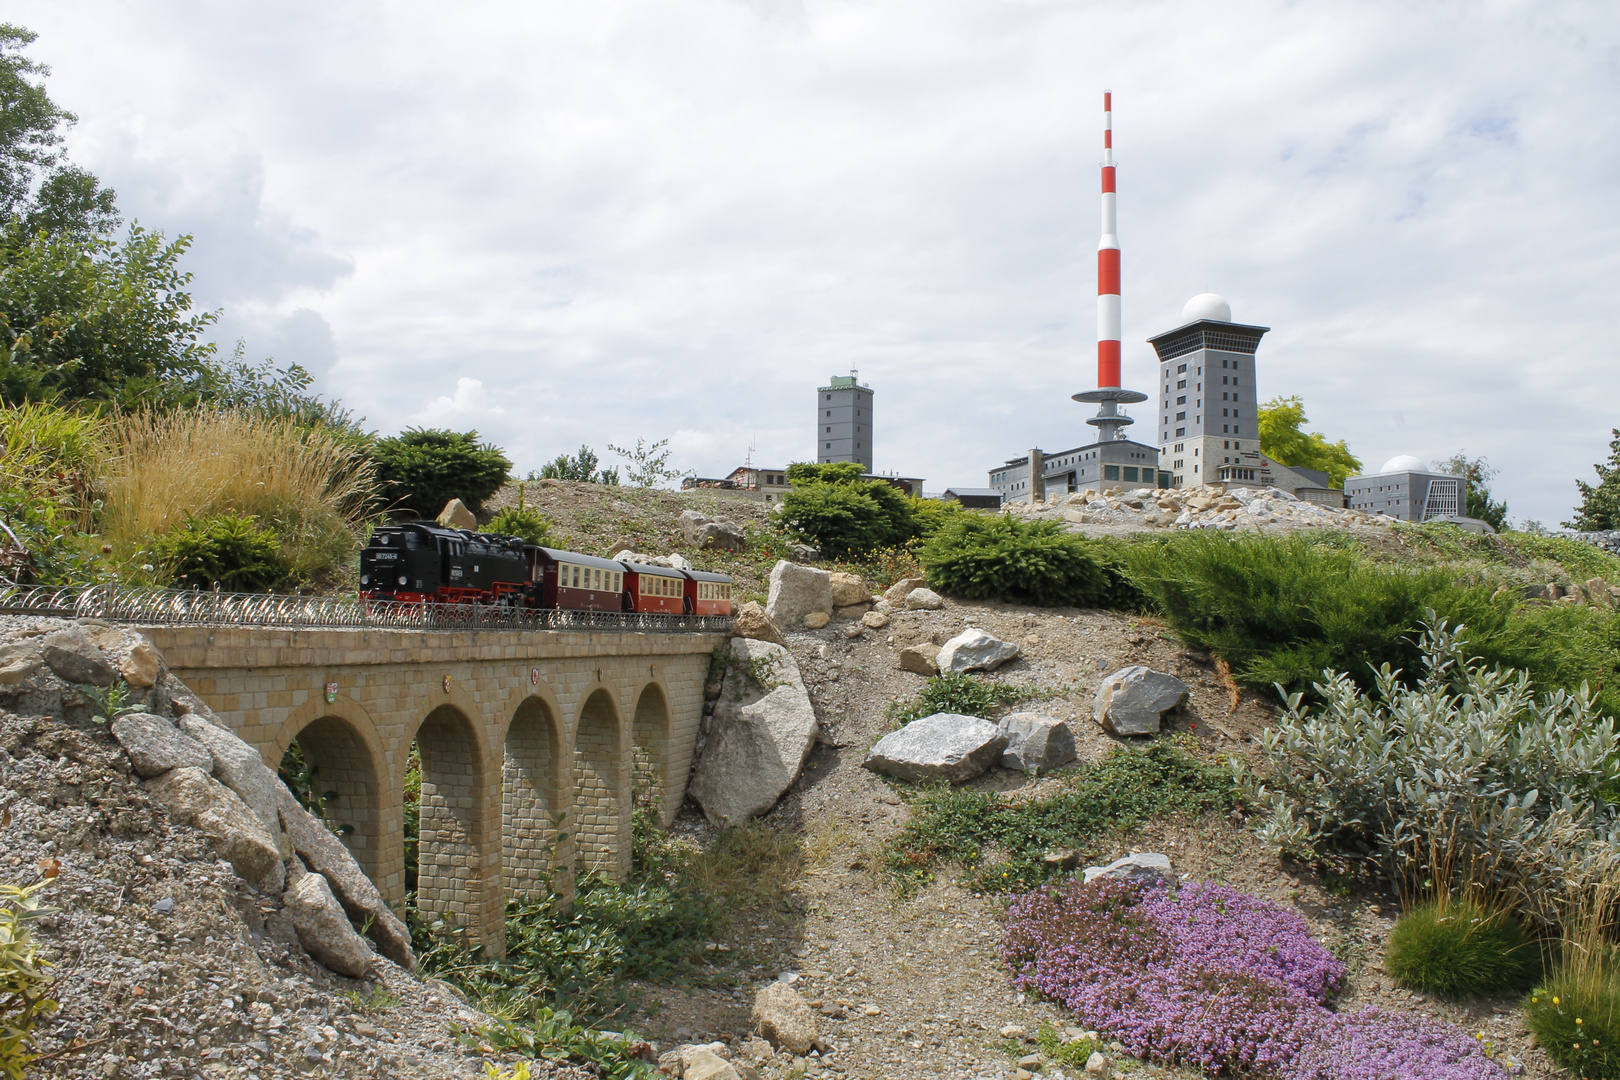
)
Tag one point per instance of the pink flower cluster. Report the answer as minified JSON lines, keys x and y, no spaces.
{"x":1208,"y":976}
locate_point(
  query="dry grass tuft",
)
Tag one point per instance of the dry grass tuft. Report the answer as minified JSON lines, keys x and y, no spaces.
{"x":308,"y":486}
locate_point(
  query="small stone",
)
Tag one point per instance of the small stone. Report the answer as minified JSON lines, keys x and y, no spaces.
{"x":142,"y":665}
{"x":19,"y":661}
{"x":871,"y":1010}
{"x":324,"y":929}
{"x":919,"y":659}
{"x":852,"y":632}
{"x":781,"y":1016}
{"x":816,"y":620}
{"x":1133,"y":700}
{"x":1032,"y":1062}
{"x":1012,"y":1031}
{"x":944,"y":746}
{"x":876,"y":620}
{"x":1145,"y":866}
{"x":455,"y":515}
{"x":897,"y":593}
{"x":1036,"y":744}
{"x":975,"y":650}
{"x":849,"y":589}
{"x":1097,"y":1065}
{"x":924,"y":600}
{"x":164,"y":906}
{"x":154,"y":745}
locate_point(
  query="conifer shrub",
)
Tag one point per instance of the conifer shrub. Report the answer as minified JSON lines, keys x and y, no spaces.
{"x":228,"y":550}
{"x":1459,"y":949}
{"x":421,"y":469}
{"x":1001,"y":558}
{"x":843,"y":515}
{"x":522,"y":521}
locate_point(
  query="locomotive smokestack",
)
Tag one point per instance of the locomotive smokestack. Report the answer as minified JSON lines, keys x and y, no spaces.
{"x":1108,"y":325}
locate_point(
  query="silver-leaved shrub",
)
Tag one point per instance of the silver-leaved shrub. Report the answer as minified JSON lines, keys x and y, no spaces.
{"x":1465,"y":777}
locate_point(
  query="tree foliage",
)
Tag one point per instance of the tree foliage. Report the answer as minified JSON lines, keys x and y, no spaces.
{"x":422,"y":469}
{"x":649,"y":465}
{"x":1600,"y":502}
{"x":1284,"y":440}
{"x":39,"y":190}
{"x":1477,"y":473}
{"x":581,"y":467}
{"x":90,"y":319}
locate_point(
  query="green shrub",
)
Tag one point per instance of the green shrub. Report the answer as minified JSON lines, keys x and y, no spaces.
{"x":1457,"y":949}
{"x":1463,"y":776}
{"x":1000,"y":558}
{"x":228,"y":549}
{"x":1283,"y":610}
{"x":1002,"y":842}
{"x":523,"y":522}
{"x":955,"y":692}
{"x":422,"y":469}
{"x":1575,"y":1017}
{"x":842,"y":515}
{"x":580,"y":467}
{"x":23,"y":982}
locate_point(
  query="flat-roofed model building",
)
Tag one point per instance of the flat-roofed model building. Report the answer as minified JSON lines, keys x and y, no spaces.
{"x":844,"y":421}
{"x":1405,"y":489}
{"x":1209,"y":407}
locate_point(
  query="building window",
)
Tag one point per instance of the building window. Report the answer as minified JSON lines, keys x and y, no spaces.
{"x":1181,"y":384}
{"x":1180,"y":416}
{"x":1180,"y":431}
{"x":1182,"y":400}
{"x":1110,"y":472}
{"x":1224,"y":427}
{"x":1181,"y":370}
{"x":1130,"y":472}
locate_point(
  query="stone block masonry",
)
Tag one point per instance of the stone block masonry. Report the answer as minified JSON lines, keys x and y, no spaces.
{"x":533,"y":746}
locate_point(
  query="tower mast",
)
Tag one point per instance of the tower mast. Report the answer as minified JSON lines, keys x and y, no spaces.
{"x":1108,"y":261}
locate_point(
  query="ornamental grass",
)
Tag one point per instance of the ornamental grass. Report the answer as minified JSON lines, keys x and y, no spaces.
{"x":1575,"y":1014}
{"x":1207,"y":976}
{"x":1460,"y":949}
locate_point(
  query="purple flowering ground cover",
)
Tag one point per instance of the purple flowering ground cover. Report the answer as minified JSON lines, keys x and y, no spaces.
{"x":1205,"y":975}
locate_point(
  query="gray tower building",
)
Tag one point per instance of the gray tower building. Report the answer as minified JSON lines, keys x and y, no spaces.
{"x":844,"y":421}
{"x":1208,"y":403}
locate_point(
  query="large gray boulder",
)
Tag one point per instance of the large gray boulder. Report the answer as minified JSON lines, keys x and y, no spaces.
{"x":1133,"y":700}
{"x":323,"y":928}
{"x":239,"y":767}
{"x":72,"y":655}
{"x":707,"y":534}
{"x":1035,"y":743}
{"x":326,"y":855}
{"x":796,"y":591}
{"x":197,"y":799}
{"x":763,"y":730}
{"x":945,"y":746}
{"x":154,"y":745}
{"x":975,"y":650}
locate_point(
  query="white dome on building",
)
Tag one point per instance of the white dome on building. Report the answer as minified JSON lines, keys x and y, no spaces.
{"x":1206,"y":305}
{"x":1404,"y":463}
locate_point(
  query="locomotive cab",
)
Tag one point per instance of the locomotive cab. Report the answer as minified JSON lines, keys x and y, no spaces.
{"x":416,"y":562}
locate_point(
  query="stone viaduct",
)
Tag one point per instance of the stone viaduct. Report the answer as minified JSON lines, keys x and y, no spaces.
{"x":533,"y":745}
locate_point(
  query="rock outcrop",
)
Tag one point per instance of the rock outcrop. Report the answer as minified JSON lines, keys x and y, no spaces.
{"x":1036,"y":743}
{"x":796,"y":591}
{"x":975,"y":650}
{"x":155,"y":745}
{"x":755,"y":623}
{"x":1133,"y":700}
{"x":324,"y":929}
{"x":455,"y":515}
{"x":944,"y":746}
{"x":194,"y":797}
{"x":707,"y":534}
{"x":763,"y":730}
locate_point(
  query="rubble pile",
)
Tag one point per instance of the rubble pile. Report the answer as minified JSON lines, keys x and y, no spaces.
{"x":1211,"y":507}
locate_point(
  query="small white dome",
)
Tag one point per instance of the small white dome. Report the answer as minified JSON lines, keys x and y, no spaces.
{"x":1404,"y":463}
{"x":1206,"y":305}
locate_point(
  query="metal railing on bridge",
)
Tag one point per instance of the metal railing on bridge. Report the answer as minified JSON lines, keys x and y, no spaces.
{"x":195,"y":607}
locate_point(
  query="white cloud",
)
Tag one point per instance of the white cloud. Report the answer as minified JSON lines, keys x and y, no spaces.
{"x":676,"y":219}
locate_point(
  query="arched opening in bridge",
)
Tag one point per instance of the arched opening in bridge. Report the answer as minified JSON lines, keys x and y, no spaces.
{"x":601,"y":818}
{"x":531,"y":797}
{"x":450,"y":808}
{"x":330,"y":770}
{"x":649,"y":736}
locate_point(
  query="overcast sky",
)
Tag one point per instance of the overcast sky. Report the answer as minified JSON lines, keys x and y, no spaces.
{"x":592,"y":222}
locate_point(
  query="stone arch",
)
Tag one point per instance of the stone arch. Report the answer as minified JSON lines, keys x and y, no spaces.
{"x":534,"y":773}
{"x":458,"y":849}
{"x":650,"y":752}
{"x":601,"y":819}
{"x":348,"y":772}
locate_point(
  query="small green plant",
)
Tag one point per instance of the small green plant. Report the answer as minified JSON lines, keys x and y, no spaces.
{"x":423,"y":469}
{"x":553,"y":1035}
{"x":227,"y":550}
{"x":1575,"y":1017}
{"x":1002,"y":843}
{"x":956,"y":692}
{"x":378,"y":1001}
{"x":1071,"y":1052}
{"x":1001,"y":558}
{"x":112,"y":701}
{"x":1459,"y":949}
{"x":24,"y":985}
{"x":523,"y":522}
{"x":649,"y":465}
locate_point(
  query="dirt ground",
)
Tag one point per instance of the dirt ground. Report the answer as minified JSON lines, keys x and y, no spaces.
{"x":914,"y":987}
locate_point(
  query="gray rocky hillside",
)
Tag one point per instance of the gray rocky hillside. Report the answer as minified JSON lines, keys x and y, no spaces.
{"x":200,"y":927}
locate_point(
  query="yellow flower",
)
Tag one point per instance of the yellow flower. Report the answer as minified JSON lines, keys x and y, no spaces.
{"x":1577,"y":1019}
{"x":1555,"y":999}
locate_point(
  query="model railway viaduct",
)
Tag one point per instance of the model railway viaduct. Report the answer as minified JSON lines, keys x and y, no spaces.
{"x":534,"y":744}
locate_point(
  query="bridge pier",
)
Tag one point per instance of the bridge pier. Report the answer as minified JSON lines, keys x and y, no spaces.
{"x":517,"y":732}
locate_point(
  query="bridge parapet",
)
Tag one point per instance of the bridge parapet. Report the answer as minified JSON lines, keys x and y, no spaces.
{"x":532,"y":744}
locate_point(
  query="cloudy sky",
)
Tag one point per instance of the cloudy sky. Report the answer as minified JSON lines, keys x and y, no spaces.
{"x":563,"y":223}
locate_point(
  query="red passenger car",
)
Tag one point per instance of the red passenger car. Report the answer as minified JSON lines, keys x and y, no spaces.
{"x":656,"y":589}
{"x":708,"y":594}
{"x":567,"y":579}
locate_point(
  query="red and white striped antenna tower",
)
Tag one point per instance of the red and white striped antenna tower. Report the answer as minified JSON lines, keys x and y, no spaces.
{"x":1108,"y":261}
{"x":1109,"y":421}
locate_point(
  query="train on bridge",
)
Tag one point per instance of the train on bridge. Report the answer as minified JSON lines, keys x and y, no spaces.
{"x":414,"y":562}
